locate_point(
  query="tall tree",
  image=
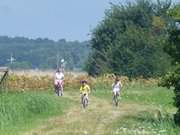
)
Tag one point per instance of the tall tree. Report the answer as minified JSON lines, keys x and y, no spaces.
{"x":129,"y":41}
{"x":173,"y":48}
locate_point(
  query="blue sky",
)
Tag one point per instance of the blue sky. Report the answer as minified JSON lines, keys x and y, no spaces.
{"x":54,"y":19}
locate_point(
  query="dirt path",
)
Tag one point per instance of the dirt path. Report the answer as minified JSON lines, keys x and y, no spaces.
{"x":92,"y":121}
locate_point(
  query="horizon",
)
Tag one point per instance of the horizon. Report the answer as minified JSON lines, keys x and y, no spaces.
{"x":43,"y":38}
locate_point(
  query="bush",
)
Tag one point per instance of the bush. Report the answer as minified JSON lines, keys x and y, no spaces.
{"x":172,"y":80}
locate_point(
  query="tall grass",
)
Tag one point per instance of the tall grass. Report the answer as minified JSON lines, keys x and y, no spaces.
{"x":157,"y":117}
{"x":151,"y":95}
{"x":140,"y":94}
{"x":30,"y":81}
{"x":20,"y":111}
{"x":144,"y":123}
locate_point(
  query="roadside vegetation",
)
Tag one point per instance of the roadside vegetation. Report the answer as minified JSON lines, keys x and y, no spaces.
{"x":21,"y":111}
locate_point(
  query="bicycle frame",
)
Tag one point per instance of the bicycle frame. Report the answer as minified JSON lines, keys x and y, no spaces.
{"x":115,"y":98}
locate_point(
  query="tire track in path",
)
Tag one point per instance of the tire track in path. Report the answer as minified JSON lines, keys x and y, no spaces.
{"x":92,"y":121}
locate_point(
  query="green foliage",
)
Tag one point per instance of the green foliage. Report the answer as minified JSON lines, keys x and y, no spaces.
{"x":173,"y":48}
{"x":42,"y":53}
{"x":175,"y":12}
{"x":21,"y":111}
{"x":172,"y":80}
{"x":129,"y":41}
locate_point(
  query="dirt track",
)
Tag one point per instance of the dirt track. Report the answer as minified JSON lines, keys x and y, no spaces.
{"x":92,"y":121}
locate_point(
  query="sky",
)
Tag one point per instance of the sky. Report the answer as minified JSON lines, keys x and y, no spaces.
{"x":53,"y":19}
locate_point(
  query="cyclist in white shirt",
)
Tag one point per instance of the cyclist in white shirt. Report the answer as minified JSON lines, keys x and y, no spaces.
{"x":59,"y":79}
{"x":117,"y":85}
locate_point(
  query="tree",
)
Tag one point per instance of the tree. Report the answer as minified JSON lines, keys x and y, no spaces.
{"x":128,"y":41}
{"x":172,"y":47}
{"x":42,"y":53}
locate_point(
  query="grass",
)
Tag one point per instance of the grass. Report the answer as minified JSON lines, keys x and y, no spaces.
{"x":150,"y":95}
{"x":143,"y":123}
{"x":157,"y":119}
{"x":21,"y":111}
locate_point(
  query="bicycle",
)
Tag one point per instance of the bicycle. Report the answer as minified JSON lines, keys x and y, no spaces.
{"x":116,"y":98}
{"x":85,"y":100}
{"x":59,"y":89}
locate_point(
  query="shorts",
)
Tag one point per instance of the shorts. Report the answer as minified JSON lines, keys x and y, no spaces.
{"x":115,"y":91}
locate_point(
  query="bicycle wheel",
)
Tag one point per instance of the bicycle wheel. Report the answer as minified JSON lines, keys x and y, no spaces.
{"x":115,"y":100}
{"x":85,"y":102}
{"x":58,"y":91}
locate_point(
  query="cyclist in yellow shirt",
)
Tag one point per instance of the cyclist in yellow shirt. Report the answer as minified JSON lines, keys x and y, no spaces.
{"x":84,"y":90}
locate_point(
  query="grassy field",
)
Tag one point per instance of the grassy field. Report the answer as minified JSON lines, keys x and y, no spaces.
{"x":145,"y":109}
{"x":142,"y":111}
{"x":155,"y":119}
{"x":21,"y":111}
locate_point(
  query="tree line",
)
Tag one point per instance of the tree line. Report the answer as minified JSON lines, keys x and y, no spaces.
{"x":42,"y":53}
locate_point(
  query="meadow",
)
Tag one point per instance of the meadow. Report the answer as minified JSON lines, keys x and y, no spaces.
{"x":21,"y":111}
{"x":151,"y":112}
{"x":31,"y":107}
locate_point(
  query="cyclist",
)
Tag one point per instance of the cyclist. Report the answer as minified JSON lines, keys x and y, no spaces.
{"x":84,"y":89}
{"x":59,"y":79}
{"x":116,"y":86}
